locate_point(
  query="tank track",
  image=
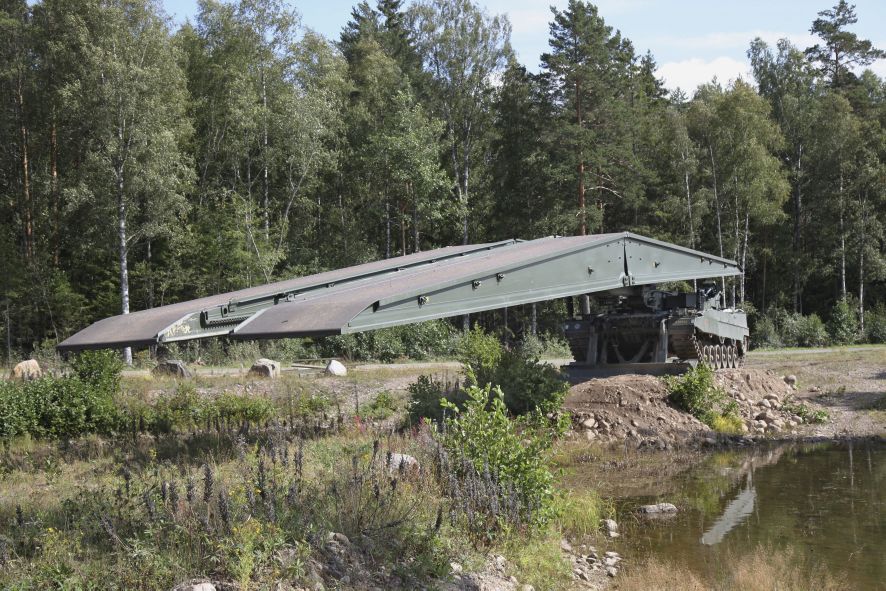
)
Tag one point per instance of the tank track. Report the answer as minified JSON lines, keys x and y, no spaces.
{"x":717,"y":355}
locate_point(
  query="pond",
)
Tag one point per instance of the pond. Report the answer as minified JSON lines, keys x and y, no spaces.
{"x":824,"y":502}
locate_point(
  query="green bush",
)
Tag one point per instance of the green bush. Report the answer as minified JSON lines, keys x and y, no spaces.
{"x":381,"y":407}
{"x":425,"y":395}
{"x":843,"y":325}
{"x":500,"y":479}
{"x":480,"y":354}
{"x":804,"y":331}
{"x":528,"y":384}
{"x":696,"y":393}
{"x":765,"y":334}
{"x":875,"y":324}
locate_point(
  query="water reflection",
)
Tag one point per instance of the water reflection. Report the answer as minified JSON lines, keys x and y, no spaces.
{"x":825,"y":502}
{"x":736,"y":512}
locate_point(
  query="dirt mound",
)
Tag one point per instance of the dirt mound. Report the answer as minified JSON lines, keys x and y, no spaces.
{"x":635,"y":408}
{"x":630,"y":407}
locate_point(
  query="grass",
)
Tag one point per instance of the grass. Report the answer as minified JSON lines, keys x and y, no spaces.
{"x":762,"y":569}
{"x":580,"y":512}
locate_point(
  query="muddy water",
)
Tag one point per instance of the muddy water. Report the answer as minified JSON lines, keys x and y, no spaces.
{"x":824,"y":502}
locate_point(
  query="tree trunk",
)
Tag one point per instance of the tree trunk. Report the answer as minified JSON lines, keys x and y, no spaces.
{"x":27,"y":206}
{"x":717,"y":208}
{"x":861,"y":265}
{"x":387,"y":228}
{"x":416,"y":238}
{"x":533,"y":325}
{"x":582,"y":215}
{"x":54,"y":190}
{"x":798,"y":212}
{"x":842,"y":244}
{"x":744,"y":254}
{"x":124,"y":268}
{"x":266,"y":215}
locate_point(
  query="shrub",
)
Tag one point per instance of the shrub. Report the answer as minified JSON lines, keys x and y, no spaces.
{"x":696,"y":393}
{"x":496,"y":475}
{"x":765,"y":334}
{"x":875,"y":324}
{"x":425,"y":395}
{"x":843,"y":325}
{"x":64,"y":407}
{"x":804,"y":331}
{"x":480,"y":354}
{"x":381,"y":407}
{"x":529,"y":385}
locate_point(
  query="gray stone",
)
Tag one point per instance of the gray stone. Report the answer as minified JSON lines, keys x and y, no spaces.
{"x":790,"y":380}
{"x":172,"y":368}
{"x":26,"y":371}
{"x":336,"y":368}
{"x":526,"y":587}
{"x":565,"y":545}
{"x":407,"y":463}
{"x":196,"y":586}
{"x":611,"y":571}
{"x":589,"y":423}
{"x":455,"y":568}
{"x":657,"y":508}
{"x":265,"y":368}
{"x":610,"y":525}
{"x":772,"y":398}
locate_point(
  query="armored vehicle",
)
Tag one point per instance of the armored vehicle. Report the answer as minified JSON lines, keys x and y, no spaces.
{"x":635,"y":324}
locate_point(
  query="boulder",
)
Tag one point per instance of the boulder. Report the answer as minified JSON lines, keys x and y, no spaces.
{"x":336,"y":368}
{"x":790,"y":380}
{"x":196,"y":586}
{"x":610,"y":525}
{"x":407,"y":463}
{"x":172,"y":367}
{"x":26,"y":370}
{"x":658,"y":508}
{"x":265,"y":368}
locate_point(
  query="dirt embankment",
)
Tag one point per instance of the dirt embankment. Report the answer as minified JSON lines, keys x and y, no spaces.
{"x":635,"y":409}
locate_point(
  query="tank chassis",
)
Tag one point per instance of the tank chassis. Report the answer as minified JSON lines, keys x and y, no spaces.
{"x":641,"y":329}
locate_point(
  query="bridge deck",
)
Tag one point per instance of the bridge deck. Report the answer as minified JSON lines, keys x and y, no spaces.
{"x":434,"y":284}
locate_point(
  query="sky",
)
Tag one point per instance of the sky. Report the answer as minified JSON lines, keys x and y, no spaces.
{"x":692,"y":40}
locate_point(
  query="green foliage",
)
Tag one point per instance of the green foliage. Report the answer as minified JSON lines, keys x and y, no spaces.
{"x":729,"y":424}
{"x":381,"y":407}
{"x":843,"y":324}
{"x":696,"y":393}
{"x":64,"y":407}
{"x":528,"y":384}
{"x":806,"y":414}
{"x":779,"y":328}
{"x":875,"y":324}
{"x":480,"y":353}
{"x":501,"y":476}
{"x":425,"y":396}
{"x":416,"y":341}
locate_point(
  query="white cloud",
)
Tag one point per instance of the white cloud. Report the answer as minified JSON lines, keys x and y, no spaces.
{"x":689,"y":74}
{"x":722,"y":40}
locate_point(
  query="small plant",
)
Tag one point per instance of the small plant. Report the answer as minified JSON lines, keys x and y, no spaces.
{"x":806,"y":414}
{"x":495,"y":473}
{"x":843,"y":325}
{"x":382,"y":407}
{"x":425,"y":395}
{"x":696,"y":393}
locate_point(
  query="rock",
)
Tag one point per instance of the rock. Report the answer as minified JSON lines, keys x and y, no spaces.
{"x":526,"y":587}
{"x":196,"y":586}
{"x":790,"y":380}
{"x":565,"y":546}
{"x":589,"y":423}
{"x":26,"y":370}
{"x":405,"y":462}
{"x":340,"y":538}
{"x":765,"y":403}
{"x":335,"y":368}
{"x":175,"y":368}
{"x":815,"y":389}
{"x":611,"y":571}
{"x":657,"y":508}
{"x":611,"y":554}
{"x":610,"y":525}
{"x":590,"y":435}
{"x":455,"y":568}
{"x":772,"y":398}
{"x":265,"y":368}
{"x":610,"y":561}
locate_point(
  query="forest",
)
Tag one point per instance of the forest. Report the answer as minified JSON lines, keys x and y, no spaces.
{"x":144,"y":164}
